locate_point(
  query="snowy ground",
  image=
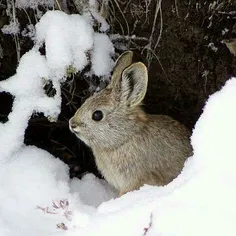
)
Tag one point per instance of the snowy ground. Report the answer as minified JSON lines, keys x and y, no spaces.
{"x":38,"y":198}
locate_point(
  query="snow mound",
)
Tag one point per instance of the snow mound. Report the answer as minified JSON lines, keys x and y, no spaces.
{"x":31,"y":181}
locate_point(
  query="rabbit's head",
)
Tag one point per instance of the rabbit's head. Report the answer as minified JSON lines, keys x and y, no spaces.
{"x":111,"y":116}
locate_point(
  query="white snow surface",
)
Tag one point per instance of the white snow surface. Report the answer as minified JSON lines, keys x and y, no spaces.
{"x":101,"y":64}
{"x":67,"y":38}
{"x":38,"y":198}
{"x":12,"y":28}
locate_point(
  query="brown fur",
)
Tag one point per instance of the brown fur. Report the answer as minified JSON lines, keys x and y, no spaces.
{"x":131,"y":148}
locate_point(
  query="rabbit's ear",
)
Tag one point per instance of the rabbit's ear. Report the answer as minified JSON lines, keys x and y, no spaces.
{"x":123,"y":61}
{"x":133,"y":84}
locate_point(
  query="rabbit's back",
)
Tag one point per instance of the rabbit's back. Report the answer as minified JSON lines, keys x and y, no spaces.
{"x":155,"y":155}
{"x":170,"y":144}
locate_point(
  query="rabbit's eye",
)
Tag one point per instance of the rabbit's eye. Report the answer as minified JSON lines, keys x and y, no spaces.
{"x":97,"y":115}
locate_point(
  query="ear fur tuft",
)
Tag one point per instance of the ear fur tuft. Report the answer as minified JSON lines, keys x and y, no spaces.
{"x":133,"y":84}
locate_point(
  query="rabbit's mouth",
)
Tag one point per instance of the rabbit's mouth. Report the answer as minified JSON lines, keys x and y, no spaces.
{"x":73,"y":126}
{"x":73,"y":130}
{"x":76,"y":128}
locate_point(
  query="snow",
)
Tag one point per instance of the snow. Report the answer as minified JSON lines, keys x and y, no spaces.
{"x":29,"y":31}
{"x":93,"y":8}
{"x":101,"y":65}
{"x":12,"y":28}
{"x":67,"y":38}
{"x":105,"y":191}
{"x":36,"y":179}
{"x":38,"y":198}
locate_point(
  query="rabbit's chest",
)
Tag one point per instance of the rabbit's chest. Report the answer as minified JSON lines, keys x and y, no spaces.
{"x":117,"y":170}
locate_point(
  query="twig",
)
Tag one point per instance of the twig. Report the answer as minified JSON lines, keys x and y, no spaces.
{"x":117,"y":37}
{"x":53,"y":141}
{"x":16,"y":38}
{"x":27,"y":15}
{"x":58,"y":5}
{"x":127,"y":4}
{"x":161,"y":29}
{"x":147,"y":4}
{"x":117,"y":20}
{"x":158,"y":5}
{"x":154,"y":54}
{"x":176,"y":8}
{"x":146,"y":229}
{"x":149,"y":55}
{"x":121,"y":12}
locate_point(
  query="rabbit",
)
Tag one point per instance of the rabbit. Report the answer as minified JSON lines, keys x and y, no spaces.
{"x":131,"y":147}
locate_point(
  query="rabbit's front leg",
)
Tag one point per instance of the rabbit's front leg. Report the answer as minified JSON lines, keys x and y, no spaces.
{"x":122,"y":193}
{"x":130,"y":189}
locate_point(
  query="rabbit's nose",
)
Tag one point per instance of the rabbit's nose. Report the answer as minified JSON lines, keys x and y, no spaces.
{"x":72,"y":123}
